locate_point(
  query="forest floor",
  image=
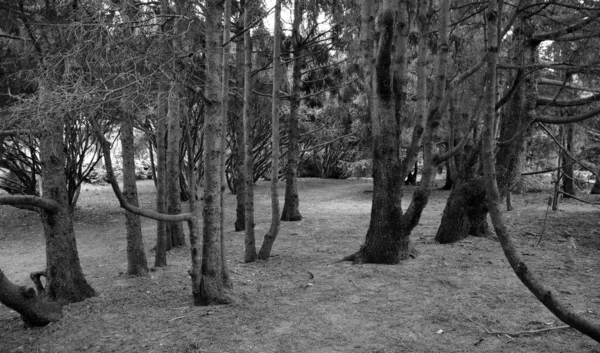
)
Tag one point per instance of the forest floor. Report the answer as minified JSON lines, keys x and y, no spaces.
{"x":452,"y":298}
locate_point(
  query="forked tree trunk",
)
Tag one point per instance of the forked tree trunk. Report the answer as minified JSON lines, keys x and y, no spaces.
{"x":65,"y":280}
{"x":291,"y":205}
{"x":175,"y":236}
{"x":160,"y":259}
{"x":136,"y":257}
{"x":34,"y":310}
{"x":269,"y":239}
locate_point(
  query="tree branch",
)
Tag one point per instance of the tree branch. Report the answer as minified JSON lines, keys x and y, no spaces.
{"x":47,"y":205}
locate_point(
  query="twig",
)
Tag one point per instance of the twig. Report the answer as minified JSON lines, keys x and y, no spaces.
{"x":518,"y":333}
{"x":177,"y":318}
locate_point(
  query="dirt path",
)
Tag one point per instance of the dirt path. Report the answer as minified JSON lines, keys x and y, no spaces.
{"x":301,"y":300}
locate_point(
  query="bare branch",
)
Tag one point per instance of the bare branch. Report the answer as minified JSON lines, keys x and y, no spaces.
{"x":49,"y":206}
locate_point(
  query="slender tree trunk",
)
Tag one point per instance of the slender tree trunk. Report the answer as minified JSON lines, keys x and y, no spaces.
{"x":34,"y":310}
{"x":239,"y":152}
{"x":249,"y":242}
{"x":160,"y":259}
{"x":211,"y":283}
{"x":173,"y":192}
{"x":136,"y":257}
{"x":544,"y":294}
{"x":65,"y":280}
{"x":225,"y":123}
{"x":291,"y":206}
{"x":269,"y":239}
{"x":568,"y":167}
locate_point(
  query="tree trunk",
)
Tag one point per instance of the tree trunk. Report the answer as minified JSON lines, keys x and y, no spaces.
{"x":211,"y":283}
{"x":249,"y":242}
{"x":516,"y":117}
{"x":387,"y":240}
{"x":65,"y":280}
{"x":224,"y":124}
{"x":175,"y":236}
{"x":34,"y":310}
{"x":291,"y":205}
{"x":136,"y":257}
{"x":596,"y":188}
{"x":544,"y":294}
{"x":269,"y":238}
{"x":464,"y":214}
{"x":239,"y":151}
{"x":568,"y":166}
{"x":160,"y":259}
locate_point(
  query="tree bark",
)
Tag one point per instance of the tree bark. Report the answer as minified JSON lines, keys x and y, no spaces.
{"x":224,"y":124}
{"x":568,"y":165}
{"x":239,"y":151}
{"x":291,"y":205}
{"x":34,"y":310}
{"x":249,"y":241}
{"x":175,"y":236}
{"x":66,"y":283}
{"x":160,"y":259}
{"x":136,"y":257}
{"x":269,"y":238}
{"x":211,"y":283}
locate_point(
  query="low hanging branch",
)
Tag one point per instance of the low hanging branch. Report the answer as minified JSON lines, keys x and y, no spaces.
{"x":187,"y":217}
{"x":47,"y":205}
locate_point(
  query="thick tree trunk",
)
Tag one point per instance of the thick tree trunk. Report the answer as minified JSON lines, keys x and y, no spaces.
{"x":175,"y":236}
{"x":387,"y":240}
{"x":211,"y":283}
{"x":34,"y":310}
{"x":65,"y":280}
{"x":160,"y":259}
{"x":269,"y":239}
{"x":291,"y":205}
{"x":136,"y":257}
{"x":249,"y":241}
{"x":464,"y":214}
{"x":516,"y":118}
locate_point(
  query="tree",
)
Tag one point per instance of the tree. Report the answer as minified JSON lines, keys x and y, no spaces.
{"x":269,"y":238}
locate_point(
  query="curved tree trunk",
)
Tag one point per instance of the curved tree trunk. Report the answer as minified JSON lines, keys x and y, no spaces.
{"x":291,"y":205}
{"x":137,"y":264}
{"x":544,"y":294}
{"x":65,"y":280}
{"x":34,"y":310}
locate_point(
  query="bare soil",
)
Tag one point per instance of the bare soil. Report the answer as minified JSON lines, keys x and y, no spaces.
{"x":452,"y":298}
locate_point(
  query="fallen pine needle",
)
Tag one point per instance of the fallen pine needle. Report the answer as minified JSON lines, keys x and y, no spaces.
{"x":177,"y":318}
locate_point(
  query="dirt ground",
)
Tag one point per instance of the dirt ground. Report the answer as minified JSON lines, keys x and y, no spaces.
{"x":452,"y":298}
